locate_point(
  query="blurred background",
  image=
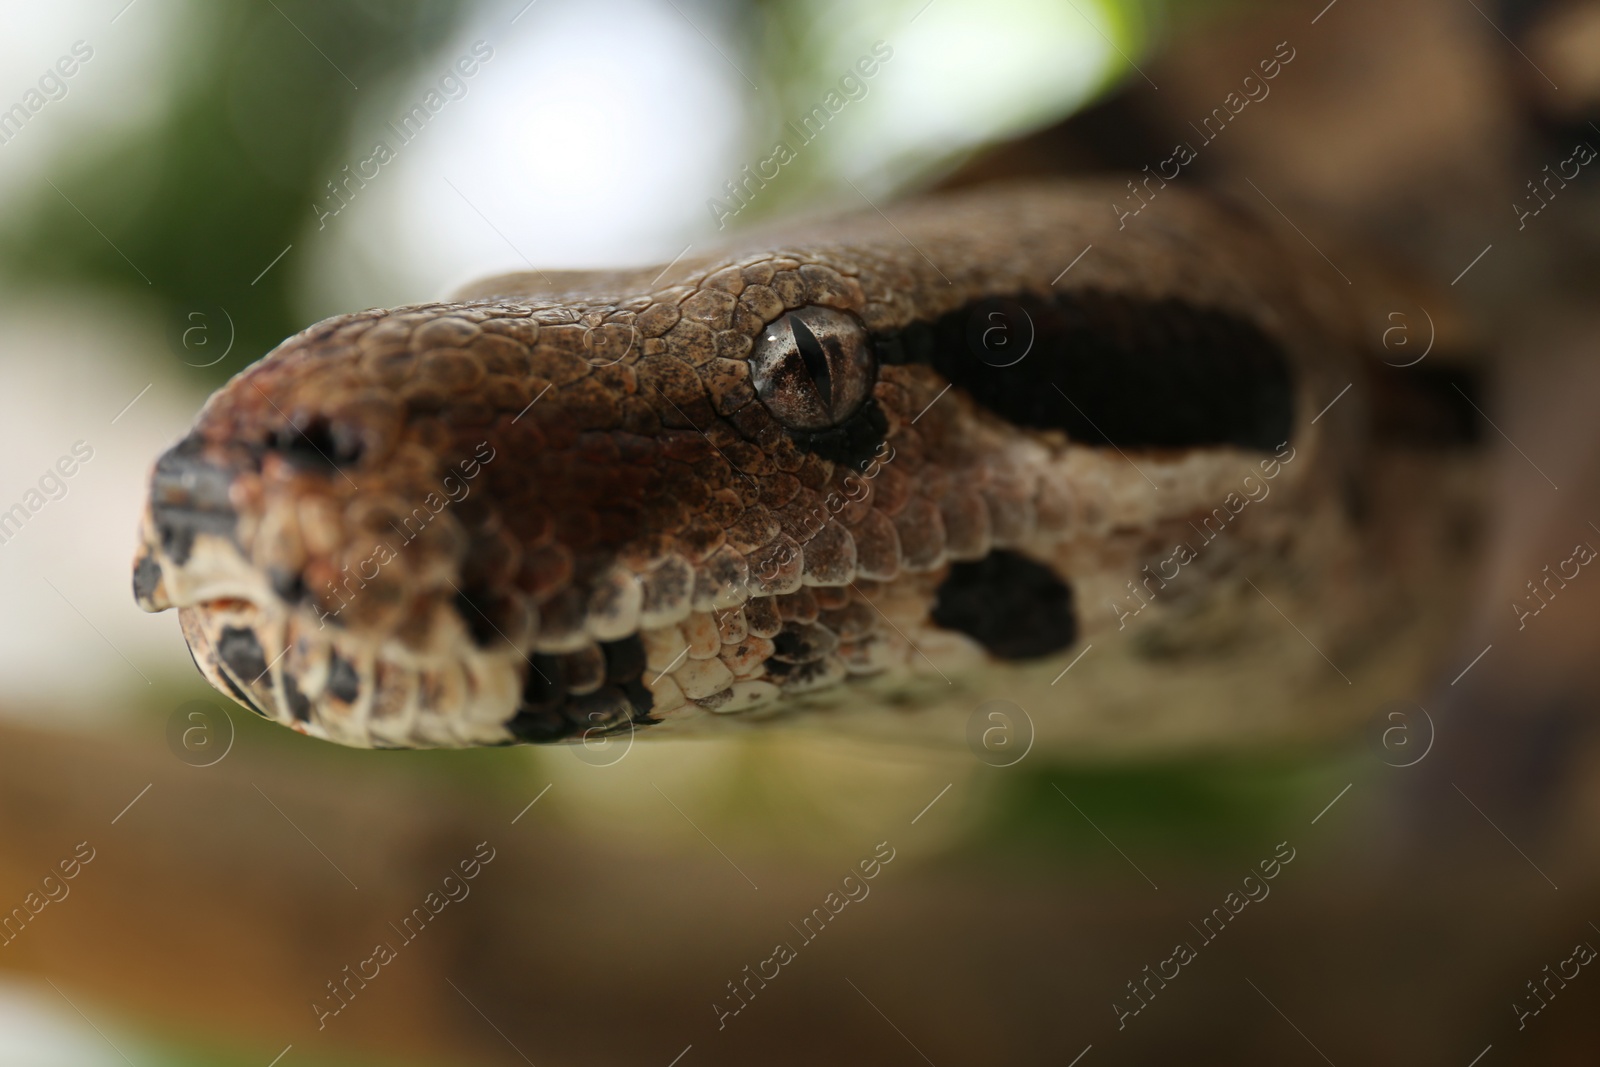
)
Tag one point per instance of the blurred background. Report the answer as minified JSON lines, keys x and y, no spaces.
{"x":183,"y":184}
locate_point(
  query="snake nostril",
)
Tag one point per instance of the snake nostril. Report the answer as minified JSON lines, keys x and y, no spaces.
{"x":188,"y":497}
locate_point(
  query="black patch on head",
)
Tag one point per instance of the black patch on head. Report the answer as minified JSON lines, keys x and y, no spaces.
{"x":146,"y":576}
{"x":188,"y":497}
{"x":850,"y":443}
{"x":319,"y":446}
{"x":1110,"y":369}
{"x":1012,"y":606}
{"x":343,"y":681}
{"x":239,"y":649}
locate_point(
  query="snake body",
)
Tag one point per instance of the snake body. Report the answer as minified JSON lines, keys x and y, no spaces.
{"x":860,"y":471}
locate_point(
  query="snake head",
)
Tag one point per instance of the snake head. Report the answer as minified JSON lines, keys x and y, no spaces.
{"x":329,"y":535}
{"x":741,"y":486}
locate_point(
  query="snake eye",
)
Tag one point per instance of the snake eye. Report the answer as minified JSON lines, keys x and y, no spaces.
{"x":813,"y":368}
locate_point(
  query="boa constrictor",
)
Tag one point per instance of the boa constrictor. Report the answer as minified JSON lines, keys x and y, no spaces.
{"x":1145,"y":483}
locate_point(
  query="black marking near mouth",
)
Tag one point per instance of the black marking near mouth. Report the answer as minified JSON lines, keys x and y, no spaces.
{"x":241,"y":652}
{"x":299,"y":706}
{"x":343,"y":681}
{"x":233,"y":687}
{"x":549,"y":713}
{"x":1013,"y":606}
{"x":240,"y":695}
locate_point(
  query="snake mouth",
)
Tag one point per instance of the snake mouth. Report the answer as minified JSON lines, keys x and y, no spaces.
{"x":344,"y":687}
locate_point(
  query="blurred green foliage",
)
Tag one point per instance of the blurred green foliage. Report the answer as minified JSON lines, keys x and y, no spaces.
{"x":191,"y":208}
{"x":790,"y":40}
{"x":153,"y":1052}
{"x":1200,"y":811}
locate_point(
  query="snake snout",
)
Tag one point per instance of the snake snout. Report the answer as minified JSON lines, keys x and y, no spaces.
{"x":190,"y":527}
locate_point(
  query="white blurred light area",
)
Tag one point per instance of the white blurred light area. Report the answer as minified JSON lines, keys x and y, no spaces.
{"x":599,"y":130}
{"x":963,"y":73}
{"x":38,"y":1028}
{"x":117,"y":88}
{"x":74,"y":648}
{"x":591,"y":138}
{"x":70,"y":362}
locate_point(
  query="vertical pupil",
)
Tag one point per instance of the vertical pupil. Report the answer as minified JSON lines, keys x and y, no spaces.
{"x":816,"y":360}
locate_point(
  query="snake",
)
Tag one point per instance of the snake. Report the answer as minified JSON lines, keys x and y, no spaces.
{"x":1139,"y":479}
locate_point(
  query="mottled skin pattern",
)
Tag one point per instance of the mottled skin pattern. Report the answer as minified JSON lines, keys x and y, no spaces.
{"x":433,"y":518}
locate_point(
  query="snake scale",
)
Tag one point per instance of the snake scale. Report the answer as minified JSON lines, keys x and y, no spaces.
{"x":870,"y":471}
